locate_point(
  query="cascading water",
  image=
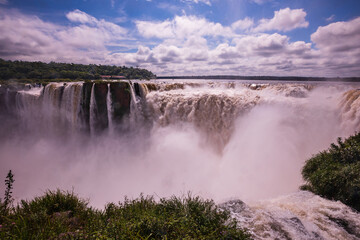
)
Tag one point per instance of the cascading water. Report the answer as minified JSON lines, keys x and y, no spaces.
{"x":301,"y":216}
{"x":92,"y":110}
{"x":218,"y":139}
{"x":110,"y":111}
{"x":70,"y":103}
{"x":136,"y":115}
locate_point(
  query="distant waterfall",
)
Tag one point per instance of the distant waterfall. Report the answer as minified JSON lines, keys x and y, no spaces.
{"x":135,"y":108}
{"x":211,"y":107}
{"x":143,"y":90}
{"x":92,"y":110}
{"x":70,"y":103}
{"x":6,"y":99}
{"x":221,"y":139}
{"x":110,"y":110}
{"x":27,"y":103}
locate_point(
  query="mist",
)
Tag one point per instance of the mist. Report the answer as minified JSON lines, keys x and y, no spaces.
{"x":258,"y":154}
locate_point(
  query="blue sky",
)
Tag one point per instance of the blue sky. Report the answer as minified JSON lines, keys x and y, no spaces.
{"x":186,"y":37}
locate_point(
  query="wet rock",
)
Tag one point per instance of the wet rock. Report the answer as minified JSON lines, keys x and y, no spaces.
{"x":121,"y":99}
{"x":101,"y":112}
{"x":85,"y":106}
{"x":137,"y":89}
{"x":297,"y":92}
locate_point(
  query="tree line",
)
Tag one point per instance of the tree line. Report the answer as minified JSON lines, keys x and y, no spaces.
{"x":40,"y":71}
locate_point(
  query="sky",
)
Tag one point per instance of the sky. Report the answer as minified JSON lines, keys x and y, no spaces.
{"x":188,"y":37}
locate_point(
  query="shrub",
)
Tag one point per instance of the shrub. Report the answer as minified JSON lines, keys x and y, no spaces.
{"x":63,"y":215}
{"x":335,"y":173}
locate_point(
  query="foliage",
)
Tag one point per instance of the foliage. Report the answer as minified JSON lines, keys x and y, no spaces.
{"x":335,"y":173}
{"x":39,"y":71}
{"x":9,"y":181}
{"x":8,"y":199}
{"x":63,"y":215}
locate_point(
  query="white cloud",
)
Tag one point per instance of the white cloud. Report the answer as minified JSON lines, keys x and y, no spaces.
{"x":4,"y":2}
{"x":339,"y":36}
{"x":331,"y":18}
{"x":181,"y":27}
{"x":27,"y":37}
{"x":207,"y":2}
{"x":84,"y":18}
{"x":242,"y":24}
{"x":260,"y":1}
{"x":284,"y":20}
{"x":184,"y":45}
{"x":155,"y":29}
{"x":81,"y":17}
{"x":92,"y":33}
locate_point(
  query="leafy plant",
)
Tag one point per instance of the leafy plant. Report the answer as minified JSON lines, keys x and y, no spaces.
{"x":9,"y":181}
{"x":335,"y":173}
{"x":6,"y":205}
{"x":63,"y":215}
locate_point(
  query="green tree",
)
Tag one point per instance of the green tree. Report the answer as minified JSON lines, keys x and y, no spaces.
{"x":9,"y":181}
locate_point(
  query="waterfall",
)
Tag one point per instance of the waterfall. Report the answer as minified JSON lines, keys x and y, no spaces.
{"x":135,"y":108}
{"x":92,"y":110}
{"x":110,"y":110}
{"x":27,"y":106}
{"x":70,"y":103}
{"x":350,"y":113}
{"x":7,"y":99}
{"x":211,"y":111}
{"x":143,"y":90}
{"x":250,"y":142}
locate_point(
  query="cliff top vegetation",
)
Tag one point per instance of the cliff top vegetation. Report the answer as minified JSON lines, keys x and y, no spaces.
{"x":22,"y":71}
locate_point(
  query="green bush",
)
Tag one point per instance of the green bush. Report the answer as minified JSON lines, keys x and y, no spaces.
{"x":63,"y":215}
{"x":335,"y":173}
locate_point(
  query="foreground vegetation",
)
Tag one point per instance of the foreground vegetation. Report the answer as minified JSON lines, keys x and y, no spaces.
{"x":335,"y":173}
{"x":41,"y":72}
{"x":63,"y":215}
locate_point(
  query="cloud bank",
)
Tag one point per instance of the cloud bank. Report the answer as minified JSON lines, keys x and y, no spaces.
{"x":187,"y":44}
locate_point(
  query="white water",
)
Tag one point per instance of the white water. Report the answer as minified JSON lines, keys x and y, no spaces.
{"x":92,"y":110}
{"x":219,"y":140}
{"x":301,"y":216}
{"x":110,"y":111}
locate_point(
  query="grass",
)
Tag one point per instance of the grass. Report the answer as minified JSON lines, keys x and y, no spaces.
{"x":63,"y":215}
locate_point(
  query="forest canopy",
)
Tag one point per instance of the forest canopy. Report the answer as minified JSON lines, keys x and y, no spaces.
{"x":40,"y":71}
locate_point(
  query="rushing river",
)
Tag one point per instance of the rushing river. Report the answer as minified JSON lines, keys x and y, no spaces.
{"x":225,"y":140}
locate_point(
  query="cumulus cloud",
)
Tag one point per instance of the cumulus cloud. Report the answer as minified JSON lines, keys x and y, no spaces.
{"x":242,"y":24}
{"x":186,"y":45}
{"x":272,"y":53}
{"x":81,"y":17}
{"x":284,"y":20}
{"x":181,"y":27}
{"x":27,"y":37}
{"x":339,"y":36}
{"x":84,"y":18}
